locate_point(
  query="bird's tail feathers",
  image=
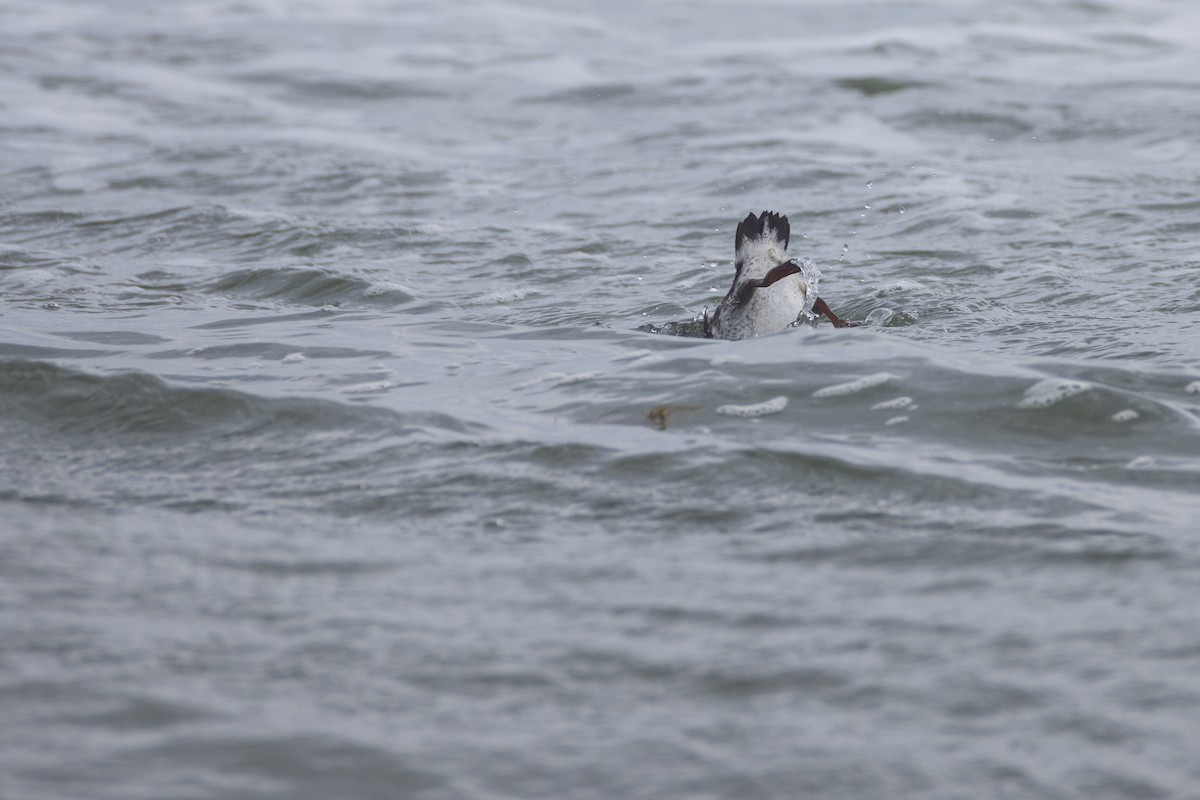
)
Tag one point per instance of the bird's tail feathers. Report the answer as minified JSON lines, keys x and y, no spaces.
{"x":769,"y":229}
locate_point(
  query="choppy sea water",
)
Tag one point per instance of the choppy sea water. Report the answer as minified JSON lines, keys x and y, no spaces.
{"x":357,"y":440}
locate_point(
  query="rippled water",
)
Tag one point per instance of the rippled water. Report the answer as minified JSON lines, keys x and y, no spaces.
{"x":358,"y":440}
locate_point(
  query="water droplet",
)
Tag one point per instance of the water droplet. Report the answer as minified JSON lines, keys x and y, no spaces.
{"x":870,"y":184}
{"x":902,"y":209}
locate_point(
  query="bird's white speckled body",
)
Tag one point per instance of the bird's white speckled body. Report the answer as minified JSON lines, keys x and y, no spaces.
{"x":769,"y":292}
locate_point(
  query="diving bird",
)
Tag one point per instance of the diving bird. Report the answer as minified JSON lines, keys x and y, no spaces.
{"x":769,"y":291}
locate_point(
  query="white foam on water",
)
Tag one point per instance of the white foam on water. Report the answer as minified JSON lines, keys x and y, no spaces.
{"x":1050,"y":391}
{"x":367,"y":388}
{"x":294,"y":358}
{"x":772,"y":406}
{"x":1192,"y":388}
{"x":1126,"y":415}
{"x":28,"y":278}
{"x":855,"y":386}
{"x":896,"y":420}
{"x":387,"y":287}
{"x":503,"y":297}
{"x":899,"y":402}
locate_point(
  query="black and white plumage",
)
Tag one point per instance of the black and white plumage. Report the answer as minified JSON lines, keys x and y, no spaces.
{"x":770,"y":292}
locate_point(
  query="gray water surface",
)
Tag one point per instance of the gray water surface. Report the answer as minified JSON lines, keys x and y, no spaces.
{"x":358,"y":441}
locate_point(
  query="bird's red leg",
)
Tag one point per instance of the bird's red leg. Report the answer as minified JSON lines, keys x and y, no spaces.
{"x":778,"y":273}
{"x":821,"y":307}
